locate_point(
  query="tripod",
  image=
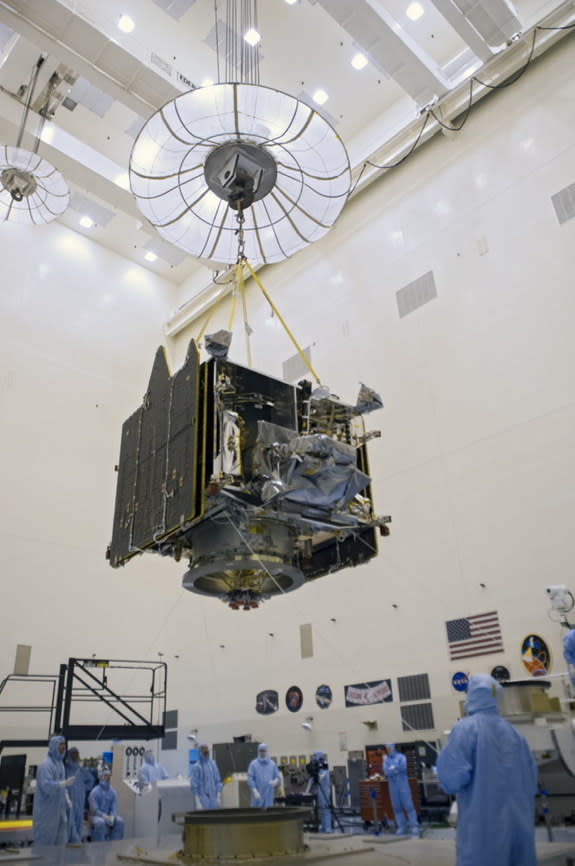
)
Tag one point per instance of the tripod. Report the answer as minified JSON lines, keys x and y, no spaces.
{"x":322,"y":804}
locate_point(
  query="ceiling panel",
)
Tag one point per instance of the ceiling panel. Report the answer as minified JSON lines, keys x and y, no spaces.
{"x":125,"y":77}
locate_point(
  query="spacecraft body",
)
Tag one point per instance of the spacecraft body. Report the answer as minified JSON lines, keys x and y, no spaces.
{"x":260,"y":484}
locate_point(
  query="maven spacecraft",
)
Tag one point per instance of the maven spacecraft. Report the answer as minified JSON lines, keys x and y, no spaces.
{"x":260,"y":484}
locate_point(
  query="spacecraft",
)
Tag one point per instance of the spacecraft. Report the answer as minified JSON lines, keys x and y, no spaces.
{"x":260,"y":484}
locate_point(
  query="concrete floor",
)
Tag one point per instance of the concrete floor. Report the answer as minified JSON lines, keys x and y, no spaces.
{"x":365,"y":850}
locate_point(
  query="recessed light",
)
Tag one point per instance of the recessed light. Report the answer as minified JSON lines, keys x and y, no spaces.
{"x":150,"y":256}
{"x":414,"y":11}
{"x":86,"y":222}
{"x":123,"y":180}
{"x":320,"y":96}
{"x":359,"y":61}
{"x":252,"y":37}
{"x":126,"y":24}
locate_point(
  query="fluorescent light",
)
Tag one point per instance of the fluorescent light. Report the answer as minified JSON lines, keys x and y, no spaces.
{"x":359,"y":60}
{"x":86,"y":222}
{"x":150,"y":256}
{"x":414,"y":11}
{"x":123,"y":180}
{"x":320,"y":96}
{"x":126,"y":24}
{"x":47,"y":134}
{"x":252,"y":37}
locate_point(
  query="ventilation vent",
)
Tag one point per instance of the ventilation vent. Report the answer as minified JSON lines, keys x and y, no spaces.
{"x":306,"y":641}
{"x":92,"y":98}
{"x":170,"y":740}
{"x":304,"y":97}
{"x":417,"y":717}
{"x":228,"y":38}
{"x":170,"y":719}
{"x":86,"y":207}
{"x":161,"y":63}
{"x":415,"y":688}
{"x":494,"y":20}
{"x":416,"y":294}
{"x":170,"y":254}
{"x":294,"y":368}
{"x":564,"y":203}
{"x":460,"y":66}
{"x":175,"y":8}
{"x":135,"y":127}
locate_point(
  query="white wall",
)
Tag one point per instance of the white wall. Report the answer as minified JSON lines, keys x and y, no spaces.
{"x":79,"y":328}
{"x":475,"y":463}
{"x":476,"y":459}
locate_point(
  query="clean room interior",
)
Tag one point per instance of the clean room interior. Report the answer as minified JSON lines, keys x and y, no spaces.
{"x":474,"y":364}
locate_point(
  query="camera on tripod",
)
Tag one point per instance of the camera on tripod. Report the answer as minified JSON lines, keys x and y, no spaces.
{"x":314,"y":767}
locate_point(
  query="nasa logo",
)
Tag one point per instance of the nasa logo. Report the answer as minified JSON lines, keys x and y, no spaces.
{"x":459,"y":681}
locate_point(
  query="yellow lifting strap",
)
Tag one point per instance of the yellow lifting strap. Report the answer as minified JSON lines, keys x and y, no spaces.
{"x":235,"y":289}
{"x":240,"y":284}
{"x":208,"y":317}
{"x":281,"y":319}
{"x":240,"y":288}
{"x":205,"y":325}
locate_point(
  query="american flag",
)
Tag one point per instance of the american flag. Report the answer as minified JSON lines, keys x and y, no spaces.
{"x":477,"y":635}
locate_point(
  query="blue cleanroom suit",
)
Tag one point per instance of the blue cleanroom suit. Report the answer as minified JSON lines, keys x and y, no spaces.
{"x":105,"y":822}
{"x":569,"y":647}
{"x":263,"y":779}
{"x":323,"y":795}
{"x":205,"y":780}
{"x":49,"y":813}
{"x":83,"y":783}
{"x":488,"y":765}
{"x":395,"y":771}
{"x":150,"y":771}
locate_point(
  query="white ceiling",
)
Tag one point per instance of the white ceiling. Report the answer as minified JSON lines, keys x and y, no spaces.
{"x":121,"y":79}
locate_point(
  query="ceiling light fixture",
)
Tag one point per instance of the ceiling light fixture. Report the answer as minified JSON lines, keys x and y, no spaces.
{"x":320,"y":96}
{"x":126,"y":24}
{"x":359,"y":61}
{"x":86,"y":222}
{"x":414,"y":11}
{"x":252,"y":37}
{"x":150,"y":256}
{"x":238,"y":171}
{"x":31,"y":190}
{"x":290,"y":2}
